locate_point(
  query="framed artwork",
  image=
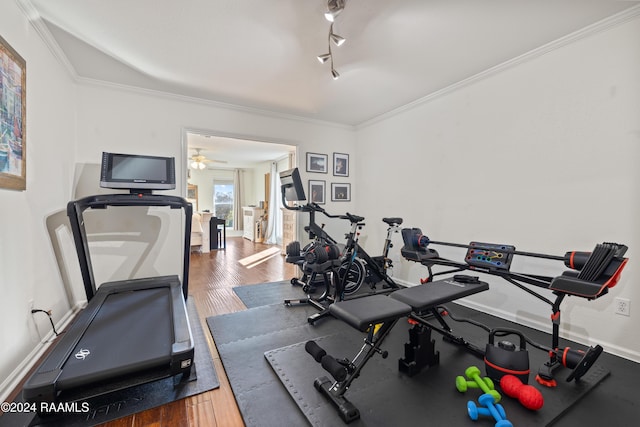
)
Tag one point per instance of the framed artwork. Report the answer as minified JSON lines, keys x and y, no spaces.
{"x":13,"y":150}
{"x":316,"y":191}
{"x":340,"y":164}
{"x":340,"y":192}
{"x":192,"y":196}
{"x":317,"y":162}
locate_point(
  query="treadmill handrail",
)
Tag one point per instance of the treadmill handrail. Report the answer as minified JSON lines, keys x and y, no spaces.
{"x":76,"y":208}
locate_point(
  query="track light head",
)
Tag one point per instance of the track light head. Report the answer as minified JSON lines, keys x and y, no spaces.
{"x":334,"y":8}
{"x":335,"y":74}
{"x":324,"y":58}
{"x":336,"y":39}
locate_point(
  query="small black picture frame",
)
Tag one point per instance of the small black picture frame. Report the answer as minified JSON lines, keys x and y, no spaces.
{"x":340,"y":164}
{"x":340,"y":192}
{"x":317,"y":191}
{"x":317,"y":162}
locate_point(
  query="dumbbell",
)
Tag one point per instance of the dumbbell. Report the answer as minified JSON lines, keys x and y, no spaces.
{"x":529,"y":396}
{"x":463,"y":384}
{"x":489,"y":408}
{"x":473,"y":373}
{"x":322,"y":253}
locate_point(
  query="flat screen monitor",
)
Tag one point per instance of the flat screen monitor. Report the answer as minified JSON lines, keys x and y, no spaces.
{"x":291,"y":185}
{"x":137,"y":172}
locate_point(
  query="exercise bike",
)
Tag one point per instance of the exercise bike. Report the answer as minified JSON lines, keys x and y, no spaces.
{"x":358,"y":266}
{"x":302,"y":256}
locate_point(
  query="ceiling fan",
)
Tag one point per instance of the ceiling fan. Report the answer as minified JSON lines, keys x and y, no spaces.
{"x":198,"y":161}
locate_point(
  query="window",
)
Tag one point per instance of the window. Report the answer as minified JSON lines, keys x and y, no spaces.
{"x":223,"y":201}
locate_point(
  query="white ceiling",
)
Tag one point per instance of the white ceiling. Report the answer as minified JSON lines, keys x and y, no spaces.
{"x":262,"y":54}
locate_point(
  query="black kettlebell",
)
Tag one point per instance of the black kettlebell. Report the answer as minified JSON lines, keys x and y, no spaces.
{"x":505,"y":358}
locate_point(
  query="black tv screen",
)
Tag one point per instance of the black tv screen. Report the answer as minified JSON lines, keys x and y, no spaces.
{"x":137,"y":172}
{"x":291,"y":185}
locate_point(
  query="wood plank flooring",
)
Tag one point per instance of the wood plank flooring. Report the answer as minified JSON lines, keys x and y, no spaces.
{"x":211,"y":278}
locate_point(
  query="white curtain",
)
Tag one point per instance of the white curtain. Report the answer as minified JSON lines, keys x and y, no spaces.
{"x":274,"y":223}
{"x":237,"y":200}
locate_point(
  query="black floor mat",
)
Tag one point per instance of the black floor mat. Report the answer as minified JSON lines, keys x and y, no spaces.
{"x":138,"y":398}
{"x":267,"y":293}
{"x":243,"y":338}
{"x":380,"y":389}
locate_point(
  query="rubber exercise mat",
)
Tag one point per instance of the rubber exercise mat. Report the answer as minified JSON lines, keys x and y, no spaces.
{"x":243,"y":337}
{"x":267,"y":293}
{"x":139,"y":398}
{"x":386,"y":397}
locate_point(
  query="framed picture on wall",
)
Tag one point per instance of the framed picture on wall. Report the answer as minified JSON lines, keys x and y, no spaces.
{"x":317,"y":162}
{"x":340,"y":164}
{"x":192,"y":196}
{"x":316,"y":191}
{"x":340,"y":192}
{"x":13,"y":150}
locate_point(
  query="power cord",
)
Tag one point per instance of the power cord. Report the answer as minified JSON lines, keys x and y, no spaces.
{"x":48,"y":313}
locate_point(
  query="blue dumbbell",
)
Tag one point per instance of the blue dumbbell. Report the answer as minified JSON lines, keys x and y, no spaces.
{"x":490,"y":409}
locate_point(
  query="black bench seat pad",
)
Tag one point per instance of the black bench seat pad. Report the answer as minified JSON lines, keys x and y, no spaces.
{"x":429,"y":295}
{"x":363,"y":312}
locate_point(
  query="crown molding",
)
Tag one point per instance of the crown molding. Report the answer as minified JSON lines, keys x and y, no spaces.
{"x":38,"y":24}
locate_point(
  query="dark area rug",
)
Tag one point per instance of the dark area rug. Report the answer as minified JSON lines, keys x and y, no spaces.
{"x":249,"y":342}
{"x":267,"y":293}
{"x":134,"y":399}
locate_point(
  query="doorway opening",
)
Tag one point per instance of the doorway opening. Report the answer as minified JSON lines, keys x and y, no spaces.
{"x":235,"y":179}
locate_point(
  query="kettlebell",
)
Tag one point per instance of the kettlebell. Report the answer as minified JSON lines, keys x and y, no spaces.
{"x":505,"y":358}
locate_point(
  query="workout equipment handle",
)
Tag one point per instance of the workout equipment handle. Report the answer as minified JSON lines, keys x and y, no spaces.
{"x":506,"y":251}
{"x":576,"y":260}
{"x":315,"y":350}
{"x":335,"y":368}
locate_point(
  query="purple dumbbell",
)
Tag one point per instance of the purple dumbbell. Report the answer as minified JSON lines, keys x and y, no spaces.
{"x":490,"y":409}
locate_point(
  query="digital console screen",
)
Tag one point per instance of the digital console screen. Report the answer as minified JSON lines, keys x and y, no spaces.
{"x":138,"y":168}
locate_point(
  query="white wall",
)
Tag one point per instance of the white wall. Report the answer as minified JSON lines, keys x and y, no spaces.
{"x":154,"y":123}
{"x":28,"y":269}
{"x":543,"y":155}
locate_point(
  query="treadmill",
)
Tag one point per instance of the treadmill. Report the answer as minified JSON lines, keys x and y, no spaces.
{"x":131,"y":332}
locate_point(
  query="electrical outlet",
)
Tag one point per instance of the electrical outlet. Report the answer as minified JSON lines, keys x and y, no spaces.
{"x":622,"y":306}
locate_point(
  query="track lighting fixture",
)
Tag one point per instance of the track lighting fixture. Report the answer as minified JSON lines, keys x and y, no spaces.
{"x":334,"y":8}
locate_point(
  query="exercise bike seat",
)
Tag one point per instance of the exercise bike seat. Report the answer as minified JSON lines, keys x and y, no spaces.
{"x":352,"y":218}
{"x":392,"y":221}
{"x":429,"y":295}
{"x":361,"y":313}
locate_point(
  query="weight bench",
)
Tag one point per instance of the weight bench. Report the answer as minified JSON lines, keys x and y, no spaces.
{"x":377,"y":315}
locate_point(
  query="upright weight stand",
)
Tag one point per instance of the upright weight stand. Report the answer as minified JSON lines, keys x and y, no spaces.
{"x":590,"y":277}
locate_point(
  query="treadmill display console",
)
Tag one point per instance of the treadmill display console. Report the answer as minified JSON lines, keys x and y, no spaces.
{"x":136,"y":172}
